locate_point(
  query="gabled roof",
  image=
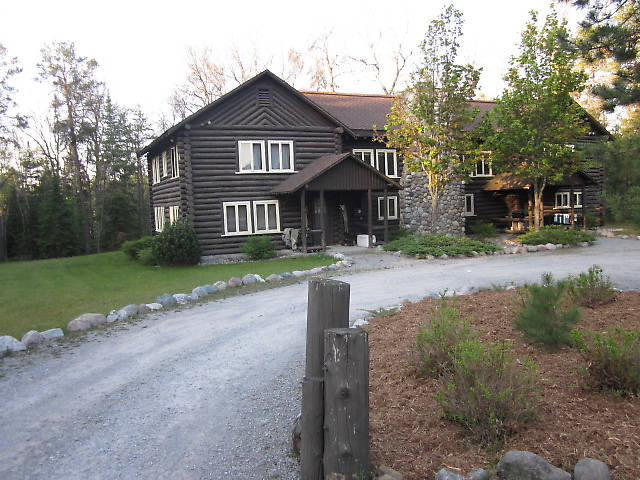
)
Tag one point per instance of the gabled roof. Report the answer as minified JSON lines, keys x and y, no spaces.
{"x":324,"y":164}
{"x":265,"y":74}
{"x":508,"y":181}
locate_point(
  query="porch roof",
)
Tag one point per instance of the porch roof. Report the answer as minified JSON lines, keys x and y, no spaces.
{"x":508,"y":181}
{"x":342,"y":172}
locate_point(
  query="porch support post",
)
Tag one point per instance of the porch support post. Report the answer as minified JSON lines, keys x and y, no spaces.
{"x":369,"y":218}
{"x":303,"y":219}
{"x":584,"y":208}
{"x":530,"y":205}
{"x":386,"y":216}
{"x":323,"y":223}
{"x":572,"y":210}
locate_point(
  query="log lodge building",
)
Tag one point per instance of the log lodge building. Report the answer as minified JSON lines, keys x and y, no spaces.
{"x":266,"y":157}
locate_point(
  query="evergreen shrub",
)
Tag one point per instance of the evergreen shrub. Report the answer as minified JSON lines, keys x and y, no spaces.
{"x":259,"y":248}
{"x":177,"y":244}
{"x":421,"y":246}
{"x":146,"y":256}
{"x":592,"y":288}
{"x":132,"y":247}
{"x":556,"y":234}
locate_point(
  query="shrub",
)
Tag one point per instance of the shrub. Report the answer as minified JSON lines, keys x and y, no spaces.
{"x":613,"y":359}
{"x":400,"y":232}
{"x":177,"y":245}
{"x":146,"y":256}
{"x":421,"y":246}
{"x":546,"y":316}
{"x":592,"y":288}
{"x":438,"y":339}
{"x":133,"y":247}
{"x":556,"y":234}
{"x":487,"y":392}
{"x":482,"y":230}
{"x":259,"y":248}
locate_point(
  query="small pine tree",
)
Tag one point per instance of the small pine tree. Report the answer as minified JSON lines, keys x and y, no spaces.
{"x":177,"y":244}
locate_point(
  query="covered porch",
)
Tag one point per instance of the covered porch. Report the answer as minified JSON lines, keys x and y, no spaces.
{"x":339,"y":198}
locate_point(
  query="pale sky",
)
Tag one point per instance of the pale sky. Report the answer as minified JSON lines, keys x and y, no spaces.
{"x":140,"y":45}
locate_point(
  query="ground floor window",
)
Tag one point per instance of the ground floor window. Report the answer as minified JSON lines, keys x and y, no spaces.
{"x":237,"y":218}
{"x":158,"y":213}
{"x":266,"y":215}
{"x":469,"y":205}
{"x":174,"y":213}
{"x":392,"y":205}
{"x":251,"y":217}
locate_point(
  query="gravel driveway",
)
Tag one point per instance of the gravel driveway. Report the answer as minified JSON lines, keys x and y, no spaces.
{"x":211,"y":391}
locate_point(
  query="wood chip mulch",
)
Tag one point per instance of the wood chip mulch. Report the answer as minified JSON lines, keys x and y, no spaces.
{"x":409,"y":435}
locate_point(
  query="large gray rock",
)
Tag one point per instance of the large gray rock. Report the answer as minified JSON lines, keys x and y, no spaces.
{"x":199,"y":292}
{"x":155,"y":306}
{"x":52,"y":334}
{"x":274,"y":277}
{"x":532,"y":248}
{"x":249,"y":279}
{"x":583,"y":244}
{"x":591,"y":469}
{"x":519,"y":465}
{"x":32,"y":338}
{"x":234,"y":282}
{"x":299,"y":273}
{"x":332,"y":267}
{"x":286,"y":275}
{"x":220,"y":285}
{"x":445,"y":474}
{"x":210,"y":289}
{"x":166,"y":300}
{"x":128,"y":311}
{"x":550,"y":246}
{"x":142,"y":309}
{"x":480,"y":474}
{"x":182,"y":298}
{"x":86,"y":321}
{"x":9,"y":344}
{"x":114,"y":316}
{"x":259,"y":279}
{"x":317,"y":270}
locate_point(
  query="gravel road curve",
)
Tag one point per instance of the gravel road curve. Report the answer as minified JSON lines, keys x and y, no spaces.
{"x":211,"y":391}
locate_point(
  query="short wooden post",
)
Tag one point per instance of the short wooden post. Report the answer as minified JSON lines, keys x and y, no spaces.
{"x":346,"y":409}
{"x":369,"y":218}
{"x":328,"y":307}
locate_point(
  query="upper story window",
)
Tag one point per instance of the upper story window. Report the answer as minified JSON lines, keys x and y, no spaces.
{"x":251,"y":156}
{"x":175,"y":160}
{"x":165,"y":170}
{"x":365,"y":154}
{"x":280,"y":155}
{"x":387,"y":162}
{"x":482,"y":169}
{"x":563,"y":199}
{"x":155,"y":170}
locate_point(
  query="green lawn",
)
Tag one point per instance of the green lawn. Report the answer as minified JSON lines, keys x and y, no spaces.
{"x":45,"y":294}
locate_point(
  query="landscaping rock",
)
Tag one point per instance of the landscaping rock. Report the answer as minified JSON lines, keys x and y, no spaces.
{"x":332,"y":267}
{"x":210,"y":289}
{"x":519,"y":465}
{"x":550,"y":246}
{"x":524,"y":249}
{"x":220,"y":285}
{"x":166,"y":300}
{"x":199,"y":292}
{"x":339,"y":256}
{"x":541,"y":247}
{"x":113,"y":316}
{"x":316,"y":271}
{"x":32,"y":338}
{"x":386,"y":473}
{"x":182,"y":298}
{"x":299,"y":273}
{"x":142,"y":309}
{"x":286,"y":275}
{"x":9,"y":344}
{"x":559,"y":245}
{"x":234,"y":282}
{"x":532,"y":248}
{"x":86,"y":321}
{"x":625,"y":236}
{"x":155,"y":306}
{"x":591,"y":469}
{"x":445,"y":474}
{"x":444,"y":256}
{"x":249,"y":279}
{"x":274,"y":277}
{"x":258,"y":278}
{"x":128,"y":311}
{"x":52,"y":333}
{"x":340,"y":264}
{"x":480,"y":474}
{"x":583,"y":244}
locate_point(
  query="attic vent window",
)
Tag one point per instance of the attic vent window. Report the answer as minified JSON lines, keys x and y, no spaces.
{"x":264,"y":96}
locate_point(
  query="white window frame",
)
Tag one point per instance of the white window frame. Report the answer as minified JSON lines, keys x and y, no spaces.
{"x":266,"y":210}
{"x":158,"y":214}
{"x":175,"y":162}
{"x":155,"y":170}
{"x":264,"y":158}
{"x":174,"y":213}
{"x":577,"y":200}
{"x":291,"y":155}
{"x":356,"y":151}
{"x":165,"y":171}
{"x":475,"y":173}
{"x":390,"y":200}
{"x":395,"y":161}
{"x":472,"y":212}
{"x":249,"y":219}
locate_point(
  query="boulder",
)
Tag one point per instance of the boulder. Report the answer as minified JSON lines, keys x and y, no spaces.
{"x":86,"y":321}
{"x":444,"y":256}
{"x":387,"y":473}
{"x":32,"y":338}
{"x":480,"y":474}
{"x":155,"y":306}
{"x":234,"y":282}
{"x":338,"y":256}
{"x":259,"y":279}
{"x":199,"y":292}
{"x":166,"y":300}
{"x":220,"y":285}
{"x":559,"y":245}
{"x":591,"y":469}
{"x":142,"y":309}
{"x":128,"y":311}
{"x":182,"y":298}
{"x":52,"y":333}
{"x":332,"y":267}
{"x":286,"y":275}
{"x":249,"y":279}
{"x":9,"y":344}
{"x":445,"y":474}
{"x":532,"y":248}
{"x":583,"y":244}
{"x":316,"y":271}
{"x":114,"y":316}
{"x":550,"y":246}
{"x":299,"y":273}
{"x":519,"y":465}
{"x":541,"y":247}
{"x":210,"y":289}
{"x":274,"y":277}
{"x":340,"y":264}
{"x":524,"y":249}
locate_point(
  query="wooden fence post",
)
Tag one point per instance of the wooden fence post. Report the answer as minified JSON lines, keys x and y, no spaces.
{"x":346,"y":408}
{"x":328,"y":307}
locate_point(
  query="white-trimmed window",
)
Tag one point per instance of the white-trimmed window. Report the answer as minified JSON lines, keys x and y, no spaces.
{"x":387,"y":162}
{"x":392,"y":205}
{"x":563,"y":199}
{"x":251,"y":156}
{"x":165,"y":160}
{"x":155,"y":170}
{"x":175,"y":162}
{"x":280,"y":155}
{"x":237,"y":218}
{"x":469,"y":205}
{"x":266,"y":216}
{"x":174,"y":213}
{"x":482,"y":169}
{"x":365,"y":155}
{"x":158,"y":213}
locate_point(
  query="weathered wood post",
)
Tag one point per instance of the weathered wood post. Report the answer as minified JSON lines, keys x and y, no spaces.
{"x":328,"y":307}
{"x":346,"y":408}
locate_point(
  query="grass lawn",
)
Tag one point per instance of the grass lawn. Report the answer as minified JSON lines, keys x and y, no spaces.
{"x":45,"y":294}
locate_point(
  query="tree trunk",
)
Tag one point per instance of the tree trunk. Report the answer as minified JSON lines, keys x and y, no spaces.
{"x":537,"y":205}
{"x":434,"y":210}
{"x":3,"y":240}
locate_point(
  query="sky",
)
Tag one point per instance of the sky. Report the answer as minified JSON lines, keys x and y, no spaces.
{"x":141,"y":45}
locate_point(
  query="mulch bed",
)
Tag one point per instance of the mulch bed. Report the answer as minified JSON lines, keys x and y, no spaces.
{"x":409,"y":435}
